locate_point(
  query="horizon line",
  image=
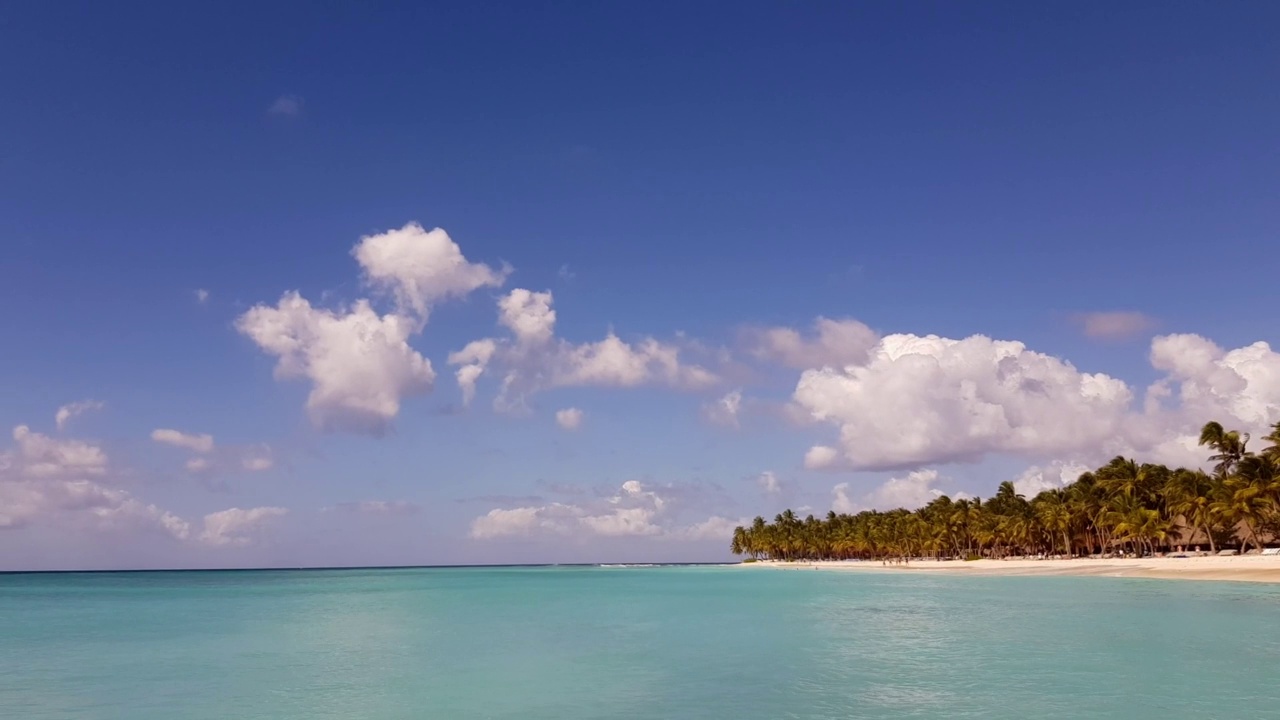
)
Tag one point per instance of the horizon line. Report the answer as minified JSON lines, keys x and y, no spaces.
{"x":316,"y":568}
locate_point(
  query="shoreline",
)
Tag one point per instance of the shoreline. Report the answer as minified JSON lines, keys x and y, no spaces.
{"x":1246,"y":568}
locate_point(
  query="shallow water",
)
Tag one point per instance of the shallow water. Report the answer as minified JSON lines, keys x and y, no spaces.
{"x":635,"y":643}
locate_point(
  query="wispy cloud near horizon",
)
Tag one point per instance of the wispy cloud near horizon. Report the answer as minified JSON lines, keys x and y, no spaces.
{"x":1114,"y":325}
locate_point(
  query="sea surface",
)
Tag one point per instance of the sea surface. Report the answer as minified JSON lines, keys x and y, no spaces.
{"x":634,"y":643}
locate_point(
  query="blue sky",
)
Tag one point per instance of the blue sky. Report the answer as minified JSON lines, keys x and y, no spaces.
{"x":1095,"y":182}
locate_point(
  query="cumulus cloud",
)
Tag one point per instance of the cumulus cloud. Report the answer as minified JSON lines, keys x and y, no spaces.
{"x":43,"y":479}
{"x":195,"y":443}
{"x":528,"y":315}
{"x":630,"y":512}
{"x":724,"y":410}
{"x":235,"y":526}
{"x":569,"y":418}
{"x":286,"y":106}
{"x":533,"y":359}
{"x":420,"y":268}
{"x":912,"y":401}
{"x":359,"y":363}
{"x":821,"y":457}
{"x":913,"y":490}
{"x":769,"y":482}
{"x":40,"y":456}
{"x":923,"y":400}
{"x":715,"y":527}
{"x":202,"y":296}
{"x":1210,"y":382}
{"x":257,"y":463}
{"x":841,"y":501}
{"x":68,"y":485}
{"x":832,"y":343}
{"x":635,"y":510}
{"x":1118,"y":325}
{"x":68,"y":412}
{"x":1038,"y":478}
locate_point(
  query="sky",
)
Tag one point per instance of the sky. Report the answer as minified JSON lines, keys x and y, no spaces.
{"x":304,"y":284}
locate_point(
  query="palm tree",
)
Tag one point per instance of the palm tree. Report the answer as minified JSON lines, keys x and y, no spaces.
{"x":1190,"y":494}
{"x":1229,"y":446}
{"x":1263,"y":473}
{"x":1053,"y":512}
{"x":1273,"y":450}
{"x":1088,"y":500}
{"x":1241,"y":502}
{"x":1122,"y":476}
{"x":1135,"y":504}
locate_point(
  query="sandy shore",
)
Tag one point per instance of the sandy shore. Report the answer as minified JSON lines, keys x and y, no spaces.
{"x":1248,"y":568}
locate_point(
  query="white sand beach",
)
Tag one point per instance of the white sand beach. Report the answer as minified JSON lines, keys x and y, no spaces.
{"x":1246,"y":568}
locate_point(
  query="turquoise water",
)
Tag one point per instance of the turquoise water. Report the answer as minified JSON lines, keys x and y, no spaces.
{"x":634,"y":643}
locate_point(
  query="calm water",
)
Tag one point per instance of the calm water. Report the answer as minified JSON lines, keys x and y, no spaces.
{"x":634,"y":643}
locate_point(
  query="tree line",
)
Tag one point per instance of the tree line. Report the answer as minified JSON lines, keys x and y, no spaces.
{"x":1122,"y":506}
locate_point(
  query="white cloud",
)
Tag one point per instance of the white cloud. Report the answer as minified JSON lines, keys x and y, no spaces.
{"x":533,"y":359}
{"x":528,"y":315}
{"x":841,"y":501}
{"x":420,"y":267}
{"x":195,"y":443}
{"x":569,"y":418}
{"x":769,"y":482}
{"x":66,"y":484}
{"x":472,"y":360}
{"x":1038,"y":478}
{"x":40,"y":456}
{"x":833,"y":343}
{"x":1210,"y":382}
{"x":256,"y":458}
{"x":235,"y":526}
{"x":724,"y":410}
{"x":202,"y":296}
{"x":1114,"y":325}
{"x":359,"y":363}
{"x":286,"y":106}
{"x":820,"y":457}
{"x":914,"y":490}
{"x":923,"y":400}
{"x":622,"y":521}
{"x":715,"y":527}
{"x":918,"y":401}
{"x":257,"y":463}
{"x":73,"y":410}
{"x":635,"y":510}
{"x":498,"y":522}
{"x":46,"y":480}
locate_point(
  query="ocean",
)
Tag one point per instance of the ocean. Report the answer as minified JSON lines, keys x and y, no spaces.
{"x":633,"y":643}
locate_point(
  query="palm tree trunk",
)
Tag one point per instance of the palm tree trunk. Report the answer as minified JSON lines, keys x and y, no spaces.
{"x":1212,"y":547}
{"x":1253,"y":535}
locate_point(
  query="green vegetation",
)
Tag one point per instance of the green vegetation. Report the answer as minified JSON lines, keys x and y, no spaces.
{"x":1122,"y":506}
